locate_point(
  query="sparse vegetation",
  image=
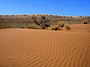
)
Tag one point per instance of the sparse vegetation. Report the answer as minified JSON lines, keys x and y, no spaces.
{"x":61,"y":24}
{"x":44,"y":25}
{"x":67,"y":27}
{"x":40,"y":21}
{"x":55,"y":28}
{"x":85,"y":21}
{"x":33,"y":26}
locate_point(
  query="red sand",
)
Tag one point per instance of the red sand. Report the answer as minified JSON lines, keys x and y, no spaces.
{"x":39,"y":48}
{"x":80,"y":27}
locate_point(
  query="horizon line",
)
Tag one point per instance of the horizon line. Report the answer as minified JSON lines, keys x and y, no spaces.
{"x":44,"y":14}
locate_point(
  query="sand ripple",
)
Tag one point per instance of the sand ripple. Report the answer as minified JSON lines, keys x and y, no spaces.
{"x":34,"y":48}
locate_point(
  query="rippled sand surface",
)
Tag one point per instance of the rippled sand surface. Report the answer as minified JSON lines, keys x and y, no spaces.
{"x":41,"y":48}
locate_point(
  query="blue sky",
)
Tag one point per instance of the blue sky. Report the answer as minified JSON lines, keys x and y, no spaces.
{"x":58,"y":7}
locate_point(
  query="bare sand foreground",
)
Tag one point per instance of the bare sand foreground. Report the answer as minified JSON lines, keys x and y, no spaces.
{"x":40,"y":48}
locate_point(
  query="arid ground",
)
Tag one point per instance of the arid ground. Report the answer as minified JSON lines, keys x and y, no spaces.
{"x":45,"y":48}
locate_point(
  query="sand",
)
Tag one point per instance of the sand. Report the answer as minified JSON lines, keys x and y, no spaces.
{"x":43,"y":48}
{"x":80,"y":27}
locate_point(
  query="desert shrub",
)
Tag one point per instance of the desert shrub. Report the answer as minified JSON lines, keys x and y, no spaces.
{"x":22,"y":27}
{"x":39,"y":19}
{"x":36,"y":19}
{"x":33,"y":26}
{"x":67,"y":27}
{"x":85,"y":21}
{"x":44,"y":25}
{"x":2,"y":27}
{"x":61,"y":24}
{"x":55,"y":28}
{"x":5,"y":25}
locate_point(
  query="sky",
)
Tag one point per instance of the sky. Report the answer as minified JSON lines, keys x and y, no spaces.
{"x":56,"y":7}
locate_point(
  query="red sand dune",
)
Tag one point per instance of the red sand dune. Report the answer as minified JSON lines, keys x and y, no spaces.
{"x":40,"y":48}
{"x":80,"y":27}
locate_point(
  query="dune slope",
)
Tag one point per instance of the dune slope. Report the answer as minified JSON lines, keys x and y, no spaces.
{"x":38,"y":48}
